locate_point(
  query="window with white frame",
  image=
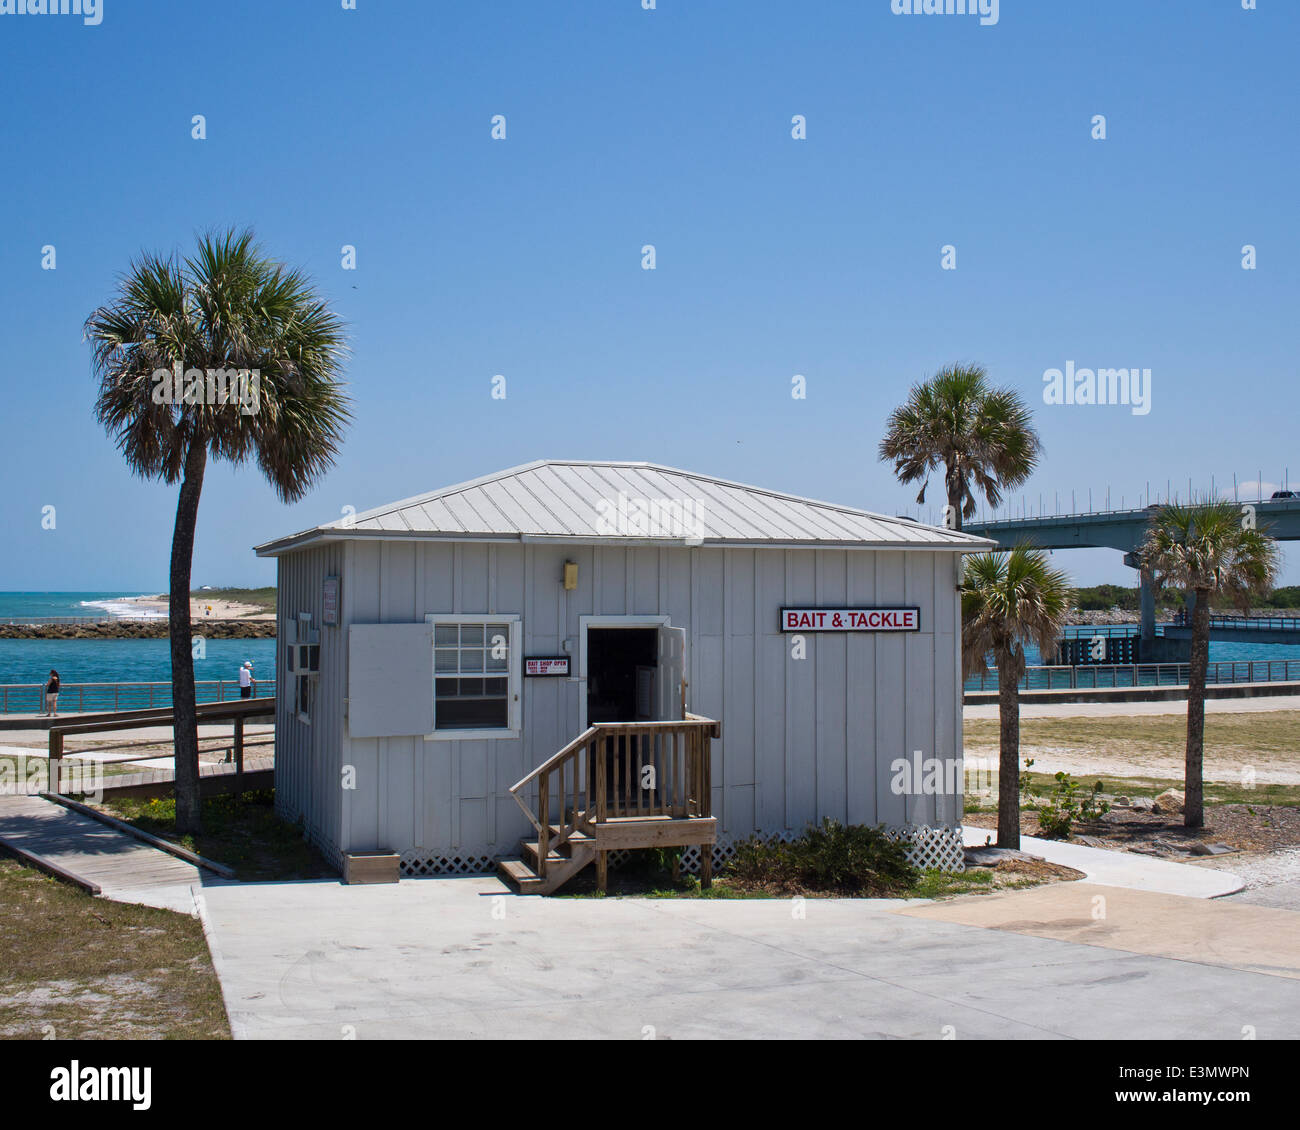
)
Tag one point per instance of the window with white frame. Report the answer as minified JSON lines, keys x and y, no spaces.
{"x":476,"y":673}
{"x":303,"y":664}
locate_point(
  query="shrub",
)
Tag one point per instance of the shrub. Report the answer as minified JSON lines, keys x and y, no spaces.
{"x":1070,"y":801}
{"x":845,"y":859}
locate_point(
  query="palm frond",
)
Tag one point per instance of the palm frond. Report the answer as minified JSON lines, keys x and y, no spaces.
{"x":1010,"y":599}
{"x":227,"y":308}
{"x":983,"y":437}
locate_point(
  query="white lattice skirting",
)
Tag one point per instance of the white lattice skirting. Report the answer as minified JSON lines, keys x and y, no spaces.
{"x":938,"y":848}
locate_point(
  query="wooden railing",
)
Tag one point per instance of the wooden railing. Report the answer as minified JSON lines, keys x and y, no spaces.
{"x":238,"y":712}
{"x":616,"y":770}
{"x":77,"y":698}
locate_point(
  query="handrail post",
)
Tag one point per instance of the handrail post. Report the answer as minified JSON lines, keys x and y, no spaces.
{"x":56,"y":756}
{"x":706,"y":753}
{"x":239,"y":754}
{"x":598,"y":756}
{"x":544,"y":813}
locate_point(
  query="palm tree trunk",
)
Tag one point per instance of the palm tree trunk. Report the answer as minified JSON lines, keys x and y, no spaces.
{"x":186,"y":727}
{"x":955,"y":493}
{"x":1193,"y":785}
{"x":1008,"y":756}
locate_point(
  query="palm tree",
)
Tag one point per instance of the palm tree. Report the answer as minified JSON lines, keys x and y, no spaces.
{"x":1206,"y":548}
{"x":982,"y":436}
{"x":1008,"y":599}
{"x":226,"y":309}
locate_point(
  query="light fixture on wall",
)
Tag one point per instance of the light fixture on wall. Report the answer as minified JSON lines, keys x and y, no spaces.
{"x":570,"y":575}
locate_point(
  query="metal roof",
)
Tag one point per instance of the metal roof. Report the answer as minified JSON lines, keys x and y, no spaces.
{"x":573,"y":500}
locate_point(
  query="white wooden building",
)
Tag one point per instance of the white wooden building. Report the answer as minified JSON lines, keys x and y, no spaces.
{"x":436,"y":651}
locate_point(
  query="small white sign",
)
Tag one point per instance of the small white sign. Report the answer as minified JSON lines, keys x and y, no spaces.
{"x":546,"y":665}
{"x":330,"y":601}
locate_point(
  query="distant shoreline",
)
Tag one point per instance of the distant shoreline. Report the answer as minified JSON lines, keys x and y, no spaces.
{"x":202,"y":608}
{"x":215,"y":616}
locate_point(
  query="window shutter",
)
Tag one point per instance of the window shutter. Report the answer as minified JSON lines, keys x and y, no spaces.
{"x":390,"y":680}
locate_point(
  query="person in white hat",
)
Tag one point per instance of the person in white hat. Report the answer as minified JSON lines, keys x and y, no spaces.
{"x":246,"y":682}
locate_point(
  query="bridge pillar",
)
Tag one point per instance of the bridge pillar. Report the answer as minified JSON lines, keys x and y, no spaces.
{"x":1146,"y":595}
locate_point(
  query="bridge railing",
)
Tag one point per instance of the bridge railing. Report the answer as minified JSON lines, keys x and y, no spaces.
{"x":1097,"y":676}
{"x":1257,"y":623}
{"x":77,"y":698}
{"x":1106,"y":631}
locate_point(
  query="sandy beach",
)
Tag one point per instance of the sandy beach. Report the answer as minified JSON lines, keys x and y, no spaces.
{"x":200,"y":608}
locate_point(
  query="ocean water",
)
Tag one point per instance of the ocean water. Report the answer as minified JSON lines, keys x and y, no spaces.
{"x":126,"y":661}
{"x":112,"y":661}
{"x":148,"y":661}
{"x":30,"y":605}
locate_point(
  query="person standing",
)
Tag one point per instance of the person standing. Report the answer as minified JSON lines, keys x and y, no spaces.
{"x":52,"y":694}
{"x":246,"y":679}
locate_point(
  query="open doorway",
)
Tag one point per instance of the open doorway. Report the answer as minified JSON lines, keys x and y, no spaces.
{"x":622,"y":674}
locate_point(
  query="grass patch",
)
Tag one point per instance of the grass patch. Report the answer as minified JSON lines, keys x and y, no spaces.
{"x":1216,"y":793}
{"x":941,"y":884}
{"x":830,"y":861}
{"x":1263,"y":735}
{"x":263,"y":598}
{"x":645,"y":878}
{"x":242,"y":832}
{"x":73,"y":967}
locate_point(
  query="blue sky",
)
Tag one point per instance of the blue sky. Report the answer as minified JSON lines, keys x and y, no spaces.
{"x":669,"y":127}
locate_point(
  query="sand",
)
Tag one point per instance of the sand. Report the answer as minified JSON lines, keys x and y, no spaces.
{"x":201,"y":608}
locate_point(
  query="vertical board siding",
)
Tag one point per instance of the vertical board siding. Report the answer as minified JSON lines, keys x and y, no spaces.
{"x":800,"y":754}
{"x":307,"y":756}
{"x":891,"y":688}
{"x":832,"y":694}
{"x":803,"y":739}
{"x":738,"y":775}
{"x":860,"y":682}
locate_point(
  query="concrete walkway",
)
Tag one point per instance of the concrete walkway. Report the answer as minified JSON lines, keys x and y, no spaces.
{"x":124,"y":868}
{"x":1122,"y":868}
{"x":1222,"y":932}
{"x":463,"y":959}
{"x":38,"y":739}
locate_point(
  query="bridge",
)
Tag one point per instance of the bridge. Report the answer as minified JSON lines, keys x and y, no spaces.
{"x":1242,"y":629}
{"x":1125,"y":530}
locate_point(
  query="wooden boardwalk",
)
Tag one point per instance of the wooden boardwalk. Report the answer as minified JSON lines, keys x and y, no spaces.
{"x":122,"y":867}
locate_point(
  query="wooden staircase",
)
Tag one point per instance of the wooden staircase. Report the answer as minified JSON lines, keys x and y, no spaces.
{"x":616,"y":787}
{"x":562,"y":863}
